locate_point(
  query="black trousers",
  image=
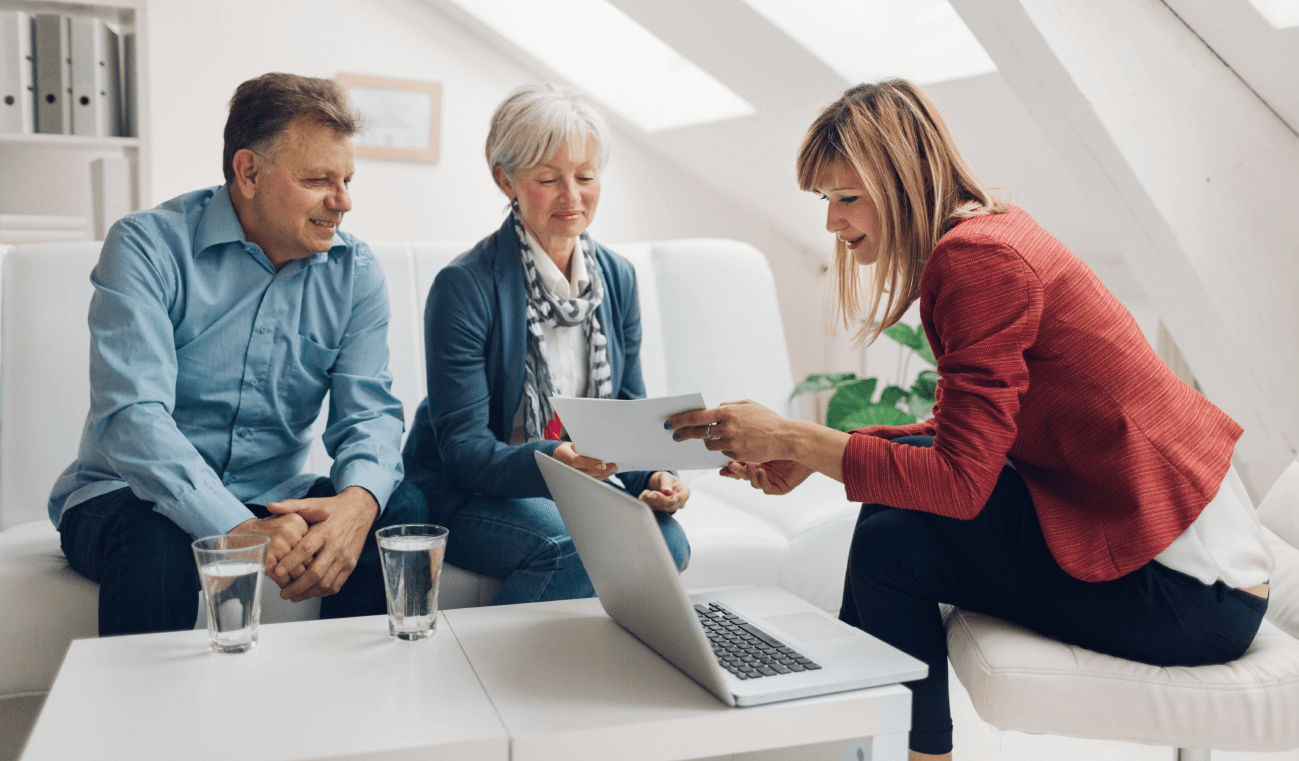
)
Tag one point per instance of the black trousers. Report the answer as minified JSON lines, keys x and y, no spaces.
{"x":903,"y":563}
{"x":145,"y":569}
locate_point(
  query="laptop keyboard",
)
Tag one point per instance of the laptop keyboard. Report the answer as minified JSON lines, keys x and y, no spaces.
{"x":745,"y":650}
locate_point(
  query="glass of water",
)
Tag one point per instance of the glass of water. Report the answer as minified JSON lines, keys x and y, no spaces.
{"x":230,"y":568}
{"x":411,"y":555}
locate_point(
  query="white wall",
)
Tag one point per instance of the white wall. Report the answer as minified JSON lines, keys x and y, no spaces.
{"x":200,"y":51}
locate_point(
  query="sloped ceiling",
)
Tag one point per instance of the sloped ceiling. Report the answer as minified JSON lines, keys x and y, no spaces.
{"x":750,"y":160}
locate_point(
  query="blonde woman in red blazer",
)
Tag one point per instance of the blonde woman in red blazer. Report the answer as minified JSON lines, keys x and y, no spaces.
{"x":1067,"y":481}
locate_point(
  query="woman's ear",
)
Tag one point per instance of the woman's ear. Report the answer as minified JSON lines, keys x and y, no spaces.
{"x":503,"y":182}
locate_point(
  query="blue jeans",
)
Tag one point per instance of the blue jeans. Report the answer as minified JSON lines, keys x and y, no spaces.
{"x":145,"y":568}
{"x":524,"y":542}
{"x":904,"y":562}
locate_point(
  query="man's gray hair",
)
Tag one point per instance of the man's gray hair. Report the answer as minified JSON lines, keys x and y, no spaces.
{"x":535,"y":120}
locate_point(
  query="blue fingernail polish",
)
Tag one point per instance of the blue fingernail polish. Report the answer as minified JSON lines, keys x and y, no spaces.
{"x":667,"y":426}
{"x":676,"y":437}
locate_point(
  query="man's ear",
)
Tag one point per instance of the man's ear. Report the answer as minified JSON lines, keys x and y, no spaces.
{"x":247,"y":167}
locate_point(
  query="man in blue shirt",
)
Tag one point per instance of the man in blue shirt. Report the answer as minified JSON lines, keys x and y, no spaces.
{"x":220,"y":320}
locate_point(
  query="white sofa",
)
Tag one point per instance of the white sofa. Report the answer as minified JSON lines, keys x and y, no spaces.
{"x":696,"y":297}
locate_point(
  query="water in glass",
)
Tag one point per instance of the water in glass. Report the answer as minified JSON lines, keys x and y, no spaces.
{"x":411,"y":565}
{"x":231,"y":595}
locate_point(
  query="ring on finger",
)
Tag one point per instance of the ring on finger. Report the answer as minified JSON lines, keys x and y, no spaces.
{"x":711,"y":427}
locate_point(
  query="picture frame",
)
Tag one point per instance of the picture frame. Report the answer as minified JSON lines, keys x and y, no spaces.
{"x":403,"y":117}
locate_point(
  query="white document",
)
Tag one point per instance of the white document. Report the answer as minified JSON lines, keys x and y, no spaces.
{"x":631,"y":433}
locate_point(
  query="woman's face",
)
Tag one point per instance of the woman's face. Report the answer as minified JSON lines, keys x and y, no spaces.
{"x":851,"y":215}
{"x":557,"y":198}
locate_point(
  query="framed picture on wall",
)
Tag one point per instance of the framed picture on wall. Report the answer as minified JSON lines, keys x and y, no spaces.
{"x":403,"y":117}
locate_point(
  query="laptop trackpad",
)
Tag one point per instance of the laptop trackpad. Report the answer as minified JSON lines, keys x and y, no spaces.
{"x":808,"y":627}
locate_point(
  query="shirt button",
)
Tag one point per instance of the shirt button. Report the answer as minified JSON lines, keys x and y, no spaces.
{"x":245,"y":432}
{"x":264,"y":329}
{"x":254,"y":382}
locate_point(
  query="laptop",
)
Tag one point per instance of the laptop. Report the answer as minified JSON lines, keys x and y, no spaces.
{"x":746,"y":645}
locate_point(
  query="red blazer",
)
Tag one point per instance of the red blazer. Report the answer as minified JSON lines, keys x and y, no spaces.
{"x":1040,"y":363}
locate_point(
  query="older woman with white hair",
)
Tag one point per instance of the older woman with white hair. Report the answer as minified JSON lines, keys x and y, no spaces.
{"x":535,"y":309}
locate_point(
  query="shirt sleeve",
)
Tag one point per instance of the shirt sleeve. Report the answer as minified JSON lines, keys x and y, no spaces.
{"x":133,"y":387}
{"x":365,"y":424}
{"x":457,"y":331}
{"x":986,"y":309}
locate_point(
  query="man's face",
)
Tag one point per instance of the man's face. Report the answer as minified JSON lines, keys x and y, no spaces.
{"x":299,"y":197}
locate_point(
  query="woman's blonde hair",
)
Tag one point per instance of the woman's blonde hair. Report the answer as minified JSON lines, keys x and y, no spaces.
{"x":892,"y":138}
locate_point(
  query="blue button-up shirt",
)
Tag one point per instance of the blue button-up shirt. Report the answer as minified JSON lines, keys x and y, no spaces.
{"x":208,"y":368}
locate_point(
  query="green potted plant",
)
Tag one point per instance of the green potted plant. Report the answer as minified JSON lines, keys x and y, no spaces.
{"x":854,"y":404}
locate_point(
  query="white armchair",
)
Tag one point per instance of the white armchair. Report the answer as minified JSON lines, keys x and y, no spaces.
{"x":1021,"y":680}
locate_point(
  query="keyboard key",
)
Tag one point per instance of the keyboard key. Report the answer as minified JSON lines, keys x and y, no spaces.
{"x":796,"y":667}
{"x":779,"y":669}
{"x":811,"y":666}
{"x":766,"y":671}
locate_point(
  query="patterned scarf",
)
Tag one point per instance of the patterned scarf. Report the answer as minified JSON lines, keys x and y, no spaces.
{"x":545,"y":307}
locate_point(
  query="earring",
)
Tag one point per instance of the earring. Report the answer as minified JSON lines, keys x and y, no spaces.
{"x":514,"y":204}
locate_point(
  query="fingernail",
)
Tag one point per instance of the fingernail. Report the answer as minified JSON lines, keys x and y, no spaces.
{"x":676,"y":437}
{"x":668,"y":492}
{"x":667,"y":426}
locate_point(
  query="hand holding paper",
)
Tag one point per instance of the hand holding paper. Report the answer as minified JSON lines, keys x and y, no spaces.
{"x":631,"y":433}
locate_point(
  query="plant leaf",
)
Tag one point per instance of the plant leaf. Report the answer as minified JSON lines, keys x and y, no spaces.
{"x":822,"y":382}
{"x":875,"y":414}
{"x":926,"y":385}
{"x":850,"y":398}
{"x":892,"y":394}
{"x":923,"y":409}
{"x":905,"y":335}
{"x":926,"y":353}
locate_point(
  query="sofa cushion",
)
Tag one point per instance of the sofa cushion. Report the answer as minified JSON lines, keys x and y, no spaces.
{"x":44,"y":605}
{"x":816,"y":519}
{"x":46,"y":392}
{"x":722,"y":331}
{"x":1020,"y":680}
{"x":729,"y":547}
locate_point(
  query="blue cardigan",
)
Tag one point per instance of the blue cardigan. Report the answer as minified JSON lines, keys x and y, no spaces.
{"x":475,"y":343}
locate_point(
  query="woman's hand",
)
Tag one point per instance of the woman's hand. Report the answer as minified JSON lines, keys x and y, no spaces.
{"x":775,"y":477}
{"x":666,"y":492}
{"x":744,"y":431}
{"x":567,"y":454}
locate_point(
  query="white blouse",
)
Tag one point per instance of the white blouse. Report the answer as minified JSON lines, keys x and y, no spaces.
{"x":565,"y":348}
{"x":1225,"y":542}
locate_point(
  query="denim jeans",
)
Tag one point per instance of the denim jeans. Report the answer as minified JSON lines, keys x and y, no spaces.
{"x":145,"y":568}
{"x":524,"y":542}
{"x":904,"y":562}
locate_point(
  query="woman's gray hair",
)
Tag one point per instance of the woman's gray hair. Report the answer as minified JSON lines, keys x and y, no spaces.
{"x":534,"y":120}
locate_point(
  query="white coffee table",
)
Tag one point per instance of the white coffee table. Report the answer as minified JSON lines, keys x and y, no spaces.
{"x":313,"y":689}
{"x":569,"y":683}
{"x":555,"y":680}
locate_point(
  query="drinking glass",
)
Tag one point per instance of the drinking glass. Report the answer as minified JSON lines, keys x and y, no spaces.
{"x":230,"y":567}
{"x":411,"y":555}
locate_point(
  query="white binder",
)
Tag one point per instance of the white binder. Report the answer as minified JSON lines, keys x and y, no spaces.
{"x":53,"y":75}
{"x":95,"y":89}
{"x":110,"y":192}
{"x":17,"y":93}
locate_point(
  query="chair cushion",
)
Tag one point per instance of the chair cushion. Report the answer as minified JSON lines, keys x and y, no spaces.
{"x":44,"y":605}
{"x":1283,"y":600}
{"x":1279,"y":510}
{"x":1021,"y":680}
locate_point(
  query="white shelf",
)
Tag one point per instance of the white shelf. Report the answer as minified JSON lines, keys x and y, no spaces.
{"x":69,"y":141}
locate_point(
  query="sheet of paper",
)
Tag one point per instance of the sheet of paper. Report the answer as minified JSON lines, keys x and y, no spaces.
{"x":631,"y":433}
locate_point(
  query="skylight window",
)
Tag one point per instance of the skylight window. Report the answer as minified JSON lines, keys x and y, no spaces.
{"x":924,"y":41}
{"x":1281,"y":14}
{"x":600,"y":49}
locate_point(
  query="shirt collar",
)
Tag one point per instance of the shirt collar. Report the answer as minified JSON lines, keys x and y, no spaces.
{"x":551,"y":275}
{"x":220,"y":224}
